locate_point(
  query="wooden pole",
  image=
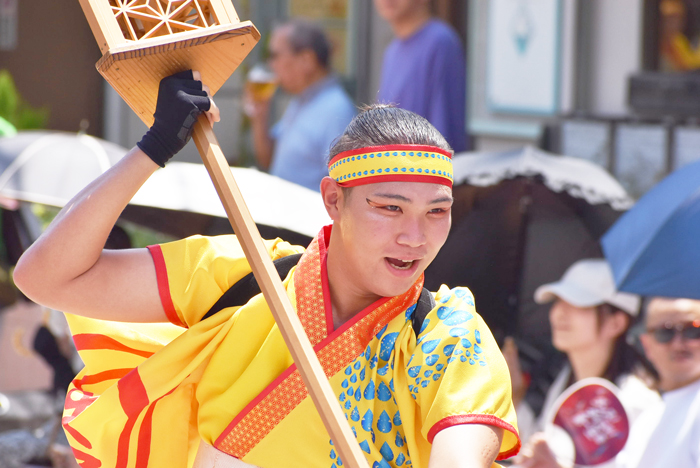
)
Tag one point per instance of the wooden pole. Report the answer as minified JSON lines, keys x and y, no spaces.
{"x":272,"y":288}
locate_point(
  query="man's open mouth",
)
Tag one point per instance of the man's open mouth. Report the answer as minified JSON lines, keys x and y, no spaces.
{"x":400,"y":264}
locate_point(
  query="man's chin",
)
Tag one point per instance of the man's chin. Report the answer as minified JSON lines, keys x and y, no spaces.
{"x":394,"y":288}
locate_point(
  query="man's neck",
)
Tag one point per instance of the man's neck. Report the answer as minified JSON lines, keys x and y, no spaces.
{"x":346,"y":300}
{"x":407,"y":26}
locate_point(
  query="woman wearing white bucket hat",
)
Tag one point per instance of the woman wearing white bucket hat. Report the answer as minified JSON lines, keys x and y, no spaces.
{"x":589,"y":320}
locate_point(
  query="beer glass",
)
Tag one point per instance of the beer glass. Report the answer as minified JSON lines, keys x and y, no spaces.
{"x":261,"y":83}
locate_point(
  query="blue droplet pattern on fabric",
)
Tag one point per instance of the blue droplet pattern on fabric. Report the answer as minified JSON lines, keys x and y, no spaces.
{"x":383,"y":392}
{"x":448,"y":337}
{"x":429,"y":346}
{"x":386,"y":452}
{"x":453,"y":318}
{"x":387,"y":346}
{"x":384,"y":423}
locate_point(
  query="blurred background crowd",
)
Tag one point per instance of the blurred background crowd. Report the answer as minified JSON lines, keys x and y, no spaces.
{"x":577,"y":187}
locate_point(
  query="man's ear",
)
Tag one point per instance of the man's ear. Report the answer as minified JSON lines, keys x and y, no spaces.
{"x":332,"y":195}
{"x":309,"y":60}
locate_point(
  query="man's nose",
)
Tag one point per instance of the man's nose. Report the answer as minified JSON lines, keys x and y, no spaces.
{"x":412,"y":233}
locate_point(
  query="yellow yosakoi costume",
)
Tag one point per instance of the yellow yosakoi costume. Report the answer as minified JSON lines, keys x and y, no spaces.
{"x":150,"y":393}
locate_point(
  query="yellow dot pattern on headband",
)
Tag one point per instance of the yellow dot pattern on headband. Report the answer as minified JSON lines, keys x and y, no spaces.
{"x":392,"y":164}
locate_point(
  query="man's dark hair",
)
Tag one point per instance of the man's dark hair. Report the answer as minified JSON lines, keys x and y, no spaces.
{"x":385,"y":124}
{"x":304,"y":35}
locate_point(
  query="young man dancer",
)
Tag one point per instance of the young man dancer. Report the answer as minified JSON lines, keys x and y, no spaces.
{"x":151,"y":394}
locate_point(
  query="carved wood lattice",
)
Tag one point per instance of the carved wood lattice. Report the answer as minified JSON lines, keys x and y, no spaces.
{"x":141,"y":19}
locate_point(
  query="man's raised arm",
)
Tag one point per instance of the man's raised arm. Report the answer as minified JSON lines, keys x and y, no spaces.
{"x":67,"y":268}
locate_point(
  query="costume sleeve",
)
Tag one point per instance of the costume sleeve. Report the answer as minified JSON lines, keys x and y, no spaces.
{"x":457,"y":373}
{"x":193,"y":273}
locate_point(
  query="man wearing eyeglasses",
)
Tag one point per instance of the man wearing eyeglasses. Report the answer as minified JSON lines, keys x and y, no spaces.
{"x":668,"y":434}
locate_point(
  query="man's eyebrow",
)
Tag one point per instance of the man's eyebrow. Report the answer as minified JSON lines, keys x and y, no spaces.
{"x":442,"y":200}
{"x":395,"y":196}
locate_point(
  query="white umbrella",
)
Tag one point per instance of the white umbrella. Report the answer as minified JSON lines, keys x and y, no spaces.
{"x":51,"y":167}
{"x":578,"y":177}
{"x":272,"y":201}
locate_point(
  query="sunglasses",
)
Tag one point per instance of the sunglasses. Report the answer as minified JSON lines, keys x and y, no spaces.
{"x":666,"y":333}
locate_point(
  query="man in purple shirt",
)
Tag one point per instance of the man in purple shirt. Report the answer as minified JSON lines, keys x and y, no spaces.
{"x":424,"y":68}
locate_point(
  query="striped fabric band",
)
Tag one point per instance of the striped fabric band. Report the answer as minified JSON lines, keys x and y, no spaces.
{"x":392,"y":163}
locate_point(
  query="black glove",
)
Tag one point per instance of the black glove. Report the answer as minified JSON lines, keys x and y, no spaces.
{"x":180,"y":101}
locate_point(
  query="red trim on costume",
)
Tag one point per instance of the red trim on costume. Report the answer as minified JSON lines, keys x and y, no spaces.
{"x":133,"y":398}
{"x":346,"y":326}
{"x":85,"y":341}
{"x":323,"y":243}
{"x":123,"y":443}
{"x":90,"y":379}
{"x":291,"y":369}
{"x":132,"y":393}
{"x":77,"y":401}
{"x":254,"y":402}
{"x":81,"y":439}
{"x":164,"y":286}
{"x":85,"y":460}
{"x":397,"y":178}
{"x":486,"y":419}
{"x":375,"y":149}
{"x":143,"y":451}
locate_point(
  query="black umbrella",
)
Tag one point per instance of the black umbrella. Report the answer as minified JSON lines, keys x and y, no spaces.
{"x":520,"y":219}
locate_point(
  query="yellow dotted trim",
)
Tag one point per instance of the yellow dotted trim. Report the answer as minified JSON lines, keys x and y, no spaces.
{"x":391,"y":163}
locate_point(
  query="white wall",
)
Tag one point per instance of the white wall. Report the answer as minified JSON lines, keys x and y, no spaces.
{"x":616,"y":52}
{"x":606,"y":48}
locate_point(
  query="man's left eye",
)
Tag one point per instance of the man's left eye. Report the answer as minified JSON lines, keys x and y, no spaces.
{"x":438,"y":210}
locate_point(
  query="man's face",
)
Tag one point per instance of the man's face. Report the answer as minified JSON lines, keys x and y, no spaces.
{"x":389,"y":233}
{"x":397,"y":10}
{"x":287,"y":64}
{"x":678,"y":360}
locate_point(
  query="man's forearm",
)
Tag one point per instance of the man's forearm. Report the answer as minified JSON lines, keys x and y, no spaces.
{"x":263,"y":143}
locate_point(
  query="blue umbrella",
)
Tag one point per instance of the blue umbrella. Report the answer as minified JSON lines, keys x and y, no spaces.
{"x":654,"y":248}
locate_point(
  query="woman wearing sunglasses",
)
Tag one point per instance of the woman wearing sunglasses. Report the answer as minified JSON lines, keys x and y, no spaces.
{"x":589,"y":320}
{"x":668,"y":433}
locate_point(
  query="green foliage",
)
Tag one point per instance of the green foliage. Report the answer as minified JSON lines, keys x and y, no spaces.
{"x":15,"y":110}
{"x":6,"y":128}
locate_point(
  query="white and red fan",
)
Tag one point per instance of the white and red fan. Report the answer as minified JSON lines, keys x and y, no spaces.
{"x":589,"y":425}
